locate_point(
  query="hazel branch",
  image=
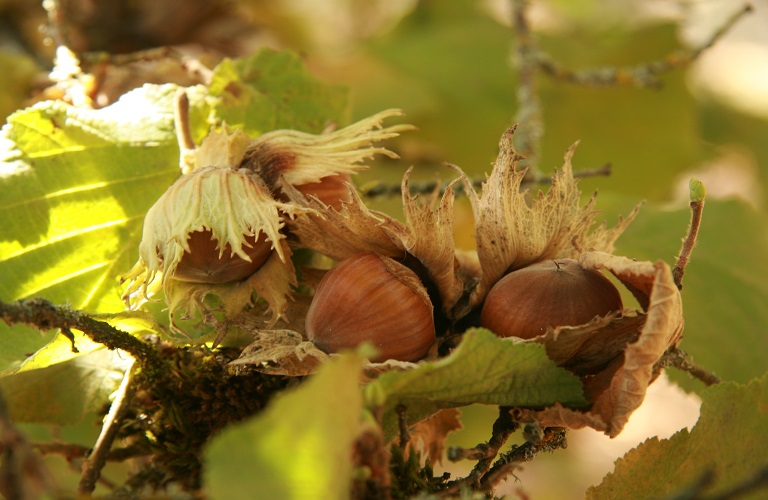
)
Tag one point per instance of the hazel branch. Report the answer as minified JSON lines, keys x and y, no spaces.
{"x":43,"y":315}
{"x":386,"y":190}
{"x":528,"y":117}
{"x":677,"y":358}
{"x":552,"y":438}
{"x":503,"y":427}
{"x":698,"y":194}
{"x":98,"y":458}
{"x":643,"y":75}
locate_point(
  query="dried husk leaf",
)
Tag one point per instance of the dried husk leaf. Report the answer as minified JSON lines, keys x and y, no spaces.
{"x":515,"y":228}
{"x":619,"y":389}
{"x":281,"y":352}
{"x":427,"y":234}
{"x":296,"y":158}
{"x":428,"y":436}
{"x":224,"y":148}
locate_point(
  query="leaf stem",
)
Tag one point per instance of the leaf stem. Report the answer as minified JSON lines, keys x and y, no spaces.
{"x":117,"y":411}
{"x":677,"y":358}
{"x":697,"y":208}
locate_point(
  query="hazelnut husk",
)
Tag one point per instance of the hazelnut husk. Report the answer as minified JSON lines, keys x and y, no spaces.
{"x":552,"y":293}
{"x":207,"y":262}
{"x":372,"y":298}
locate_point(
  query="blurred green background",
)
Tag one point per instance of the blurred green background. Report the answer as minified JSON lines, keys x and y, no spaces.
{"x":449,"y":65}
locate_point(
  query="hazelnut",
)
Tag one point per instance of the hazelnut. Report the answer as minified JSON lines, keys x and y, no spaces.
{"x":547,"y":294}
{"x":205,"y":262}
{"x":331,"y":190}
{"x":369,"y":297}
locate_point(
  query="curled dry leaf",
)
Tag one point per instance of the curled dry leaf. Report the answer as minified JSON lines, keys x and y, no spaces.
{"x":635,"y":342}
{"x":281,"y":352}
{"x":428,"y":436}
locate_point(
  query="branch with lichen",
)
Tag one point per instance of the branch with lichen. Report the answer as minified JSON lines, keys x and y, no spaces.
{"x":642,"y":75}
{"x":43,"y":315}
{"x":503,"y":427}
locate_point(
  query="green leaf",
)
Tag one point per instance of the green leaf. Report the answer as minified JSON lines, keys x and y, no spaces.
{"x":300,"y":447}
{"x":728,"y":439}
{"x":76,"y":184}
{"x":63,"y":393}
{"x":272,"y":90}
{"x":724,"y":289}
{"x":483,"y":369}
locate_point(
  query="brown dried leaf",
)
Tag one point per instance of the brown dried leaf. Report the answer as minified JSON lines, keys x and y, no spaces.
{"x":428,"y":436}
{"x":339,"y":235}
{"x":427,"y":235}
{"x":619,"y":389}
{"x":282,"y":352}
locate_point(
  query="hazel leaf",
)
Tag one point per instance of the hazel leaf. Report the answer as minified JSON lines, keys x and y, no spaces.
{"x":272,"y":90}
{"x":483,"y":369}
{"x":76,"y":184}
{"x":299,"y":447}
{"x":64,"y":393}
{"x":718,"y":443}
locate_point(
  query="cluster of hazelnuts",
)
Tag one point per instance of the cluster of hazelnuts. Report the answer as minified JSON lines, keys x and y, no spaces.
{"x":399,"y":314}
{"x":394,"y":310}
{"x":220,"y":229}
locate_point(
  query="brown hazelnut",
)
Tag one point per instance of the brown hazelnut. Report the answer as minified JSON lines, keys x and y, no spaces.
{"x":205,"y":262}
{"x":369,"y":297}
{"x":331,"y":190}
{"x":547,"y":294}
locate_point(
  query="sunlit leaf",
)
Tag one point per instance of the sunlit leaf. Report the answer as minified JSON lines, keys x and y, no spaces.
{"x":272,"y":90}
{"x":63,"y":393}
{"x":300,"y":447}
{"x":483,"y":369}
{"x":728,"y":440}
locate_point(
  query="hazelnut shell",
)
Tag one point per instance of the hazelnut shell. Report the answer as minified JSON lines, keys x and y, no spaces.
{"x":525,"y":302}
{"x":369,"y":297}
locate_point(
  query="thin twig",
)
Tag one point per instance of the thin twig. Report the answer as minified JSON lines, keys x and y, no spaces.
{"x":385,"y":190}
{"x":643,"y":75}
{"x":402,"y":420}
{"x":43,"y":315}
{"x":71,"y":451}
{"x":98,"y":458}
{"x":528,"y":117}
{"x":698,"y":196}
{"x":677,"y":358}
{"x":503,"y":427}
{"x":553,"y":438}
